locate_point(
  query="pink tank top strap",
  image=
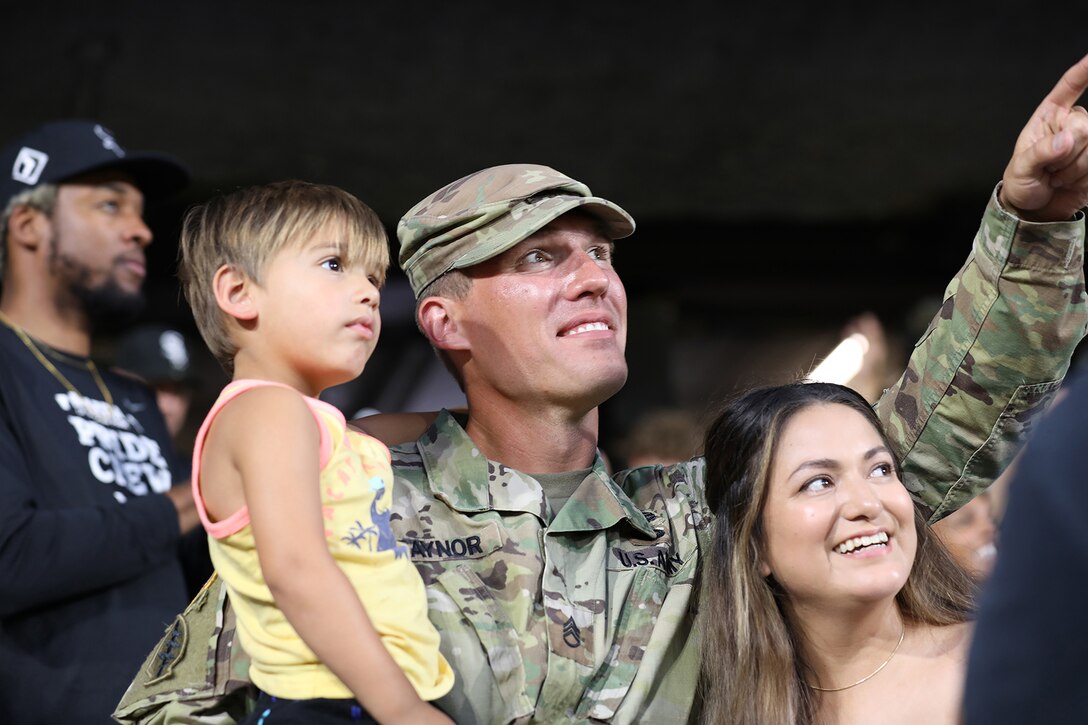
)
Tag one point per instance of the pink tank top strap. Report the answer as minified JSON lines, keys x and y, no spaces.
{"x":240,"y":518}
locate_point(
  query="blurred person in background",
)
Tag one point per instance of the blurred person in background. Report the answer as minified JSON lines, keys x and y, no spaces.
{"x":90,"y":510}
{"x":969,"y":534}
{"x":162,"y":357}
{"x":1027,"y":663}
{"x":663,"y":436}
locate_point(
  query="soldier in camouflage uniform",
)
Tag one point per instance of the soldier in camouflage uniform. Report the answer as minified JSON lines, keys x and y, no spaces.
{"x":564,"y":594}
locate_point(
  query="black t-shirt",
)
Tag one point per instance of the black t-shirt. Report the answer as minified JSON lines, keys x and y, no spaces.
{"x":89,"y":575}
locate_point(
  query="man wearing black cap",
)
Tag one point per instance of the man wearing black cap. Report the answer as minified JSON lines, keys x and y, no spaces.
{"x":89,"y":521}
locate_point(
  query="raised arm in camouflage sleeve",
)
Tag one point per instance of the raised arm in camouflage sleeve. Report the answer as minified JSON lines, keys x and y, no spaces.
{"x":997,"y":351}
{"x":991,"y":360}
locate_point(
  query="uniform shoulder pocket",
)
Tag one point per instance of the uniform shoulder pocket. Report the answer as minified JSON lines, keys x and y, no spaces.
{"x":197,"y":671}
{"x":988,"y":462}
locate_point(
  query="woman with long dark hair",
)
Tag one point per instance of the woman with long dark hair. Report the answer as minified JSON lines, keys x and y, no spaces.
{"x":827,"y":599}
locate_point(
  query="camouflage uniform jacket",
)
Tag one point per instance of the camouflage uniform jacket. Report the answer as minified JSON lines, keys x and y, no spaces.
{"x":590,"y":617}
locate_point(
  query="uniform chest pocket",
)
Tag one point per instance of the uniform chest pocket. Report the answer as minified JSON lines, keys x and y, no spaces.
{"x":633,"y":630}
{"x":478,"y":611}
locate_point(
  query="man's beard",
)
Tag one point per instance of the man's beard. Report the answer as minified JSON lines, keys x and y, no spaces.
{"x":106,"y":305}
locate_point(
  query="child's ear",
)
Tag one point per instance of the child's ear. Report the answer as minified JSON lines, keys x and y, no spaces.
{"x":438,"y":320}
{"x":233,"y":293}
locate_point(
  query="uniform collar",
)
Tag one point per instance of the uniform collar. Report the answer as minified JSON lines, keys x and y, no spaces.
{"x":459,"y":474}
{"x":599,"y":504}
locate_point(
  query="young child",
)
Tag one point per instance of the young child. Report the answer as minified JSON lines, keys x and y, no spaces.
{"x":284,"y":281}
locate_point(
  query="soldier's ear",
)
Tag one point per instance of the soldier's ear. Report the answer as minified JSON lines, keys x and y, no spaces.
{"x":439,"y":319}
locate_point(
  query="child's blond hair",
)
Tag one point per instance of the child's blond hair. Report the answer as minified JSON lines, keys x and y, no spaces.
{"x":246,"y":228}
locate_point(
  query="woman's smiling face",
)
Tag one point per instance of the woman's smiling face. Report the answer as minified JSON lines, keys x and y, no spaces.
{"x":838,"y":525}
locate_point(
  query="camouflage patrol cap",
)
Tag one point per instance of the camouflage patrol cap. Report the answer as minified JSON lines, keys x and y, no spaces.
{"x":485,"y":213}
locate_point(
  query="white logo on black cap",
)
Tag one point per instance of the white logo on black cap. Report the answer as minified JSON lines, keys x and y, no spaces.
{"x":108,"y":141}
{"x":29,"y":165}
{"x":172,"y":346}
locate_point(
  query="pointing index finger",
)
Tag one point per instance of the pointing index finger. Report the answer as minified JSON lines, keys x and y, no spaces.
{"x":1070,"y":86}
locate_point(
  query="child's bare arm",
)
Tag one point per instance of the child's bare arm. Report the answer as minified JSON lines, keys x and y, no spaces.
{"x":394,"y":428}
{"x":276,"y":453}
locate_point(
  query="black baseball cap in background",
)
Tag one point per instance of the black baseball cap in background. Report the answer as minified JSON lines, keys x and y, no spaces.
{"x":157,"y":353}
{"x":61,"y":150}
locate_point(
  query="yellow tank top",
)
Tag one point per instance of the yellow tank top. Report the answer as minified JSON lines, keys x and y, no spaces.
{"x":356,"y":495}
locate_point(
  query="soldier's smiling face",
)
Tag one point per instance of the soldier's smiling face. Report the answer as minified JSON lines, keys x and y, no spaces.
{"x":547,"y":319}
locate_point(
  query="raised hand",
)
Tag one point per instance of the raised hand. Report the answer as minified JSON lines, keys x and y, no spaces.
{"x":1047,"y":177}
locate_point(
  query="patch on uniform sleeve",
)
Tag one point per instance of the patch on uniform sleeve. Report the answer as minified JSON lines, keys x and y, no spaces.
{"x":572,"y":634}
{"x":171,"y":647}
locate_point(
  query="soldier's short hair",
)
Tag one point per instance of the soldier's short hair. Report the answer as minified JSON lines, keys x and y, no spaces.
{"x":454,"y":285}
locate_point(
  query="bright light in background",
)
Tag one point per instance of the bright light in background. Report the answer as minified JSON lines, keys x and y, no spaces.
{"x":843,"y":363}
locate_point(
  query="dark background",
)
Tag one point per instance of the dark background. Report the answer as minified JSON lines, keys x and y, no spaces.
{"x":790,"y":165}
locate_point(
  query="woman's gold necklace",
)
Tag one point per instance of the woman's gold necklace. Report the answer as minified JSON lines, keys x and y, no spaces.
{"x":48,"y":364}
{"x":871,"y":674}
